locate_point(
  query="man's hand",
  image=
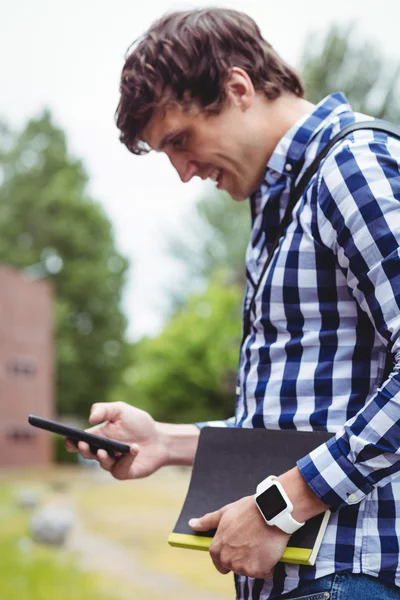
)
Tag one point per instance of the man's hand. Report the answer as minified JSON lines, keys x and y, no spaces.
{"x":125,"y":423}
{"x":243,"y":543}
{"x":152,"y":444}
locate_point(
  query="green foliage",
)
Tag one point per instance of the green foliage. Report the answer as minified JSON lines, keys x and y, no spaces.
{"x":216,"y":239}
{"x":225,"y":242}
{"x":61,"y":456}
{"x":45,"y":216}
{"x":30,"y":572}
{"x":188,"y":373}
{"x":340,"y":61}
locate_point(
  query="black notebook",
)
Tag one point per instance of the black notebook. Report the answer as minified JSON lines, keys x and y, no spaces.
{"x":229,"y":464}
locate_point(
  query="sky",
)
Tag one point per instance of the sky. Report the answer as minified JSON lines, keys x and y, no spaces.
{"x":67,"y":56}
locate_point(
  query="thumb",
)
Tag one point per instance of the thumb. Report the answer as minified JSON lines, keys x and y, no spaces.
{"x":103,"y":411}
{"x":208,"y":521}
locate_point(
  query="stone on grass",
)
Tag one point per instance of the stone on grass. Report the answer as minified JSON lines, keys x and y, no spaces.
{"x":27,"y":498}
{"x":51,"y":525}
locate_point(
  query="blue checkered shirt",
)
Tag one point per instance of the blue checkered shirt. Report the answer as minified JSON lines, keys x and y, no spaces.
{"x":325,"y":315}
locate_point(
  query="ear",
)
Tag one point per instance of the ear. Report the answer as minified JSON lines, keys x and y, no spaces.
{"x":240,"y":89}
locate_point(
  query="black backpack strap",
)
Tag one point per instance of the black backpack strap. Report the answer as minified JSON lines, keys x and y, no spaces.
{"x":298,"y":191}
{"x":375,"y":125}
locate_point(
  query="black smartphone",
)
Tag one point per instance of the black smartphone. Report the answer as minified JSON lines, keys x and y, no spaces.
{"x":78,"y":435}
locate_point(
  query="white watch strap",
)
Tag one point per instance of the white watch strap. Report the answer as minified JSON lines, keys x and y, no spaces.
{"x":286,"y":522}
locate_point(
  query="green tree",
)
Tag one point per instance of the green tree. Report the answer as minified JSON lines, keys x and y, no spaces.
{"x":338,"y":60}
{"x":215,"y":242}
{"x":47,"y":221}
{"x":217,"y":238}
{"x":188,"y":373}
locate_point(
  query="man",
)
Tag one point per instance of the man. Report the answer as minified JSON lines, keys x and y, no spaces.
{"x":206,"y":89}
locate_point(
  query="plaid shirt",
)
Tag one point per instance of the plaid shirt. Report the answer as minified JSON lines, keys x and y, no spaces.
{"x":324,"y":317}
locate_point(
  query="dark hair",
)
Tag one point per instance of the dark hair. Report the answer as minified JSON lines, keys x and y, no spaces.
{"x":186,"y":57}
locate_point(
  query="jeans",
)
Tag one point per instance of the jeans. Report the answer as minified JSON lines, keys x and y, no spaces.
{"x":344,"y":586}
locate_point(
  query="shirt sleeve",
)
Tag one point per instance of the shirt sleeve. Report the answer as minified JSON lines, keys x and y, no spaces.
{"x":358,"y":217}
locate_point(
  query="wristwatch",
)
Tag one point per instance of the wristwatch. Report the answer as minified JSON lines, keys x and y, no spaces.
{"x":274,"y":505}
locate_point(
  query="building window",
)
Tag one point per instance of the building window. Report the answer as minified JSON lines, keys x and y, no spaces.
{"x":20,"y":433}
{"x":22,"y":368}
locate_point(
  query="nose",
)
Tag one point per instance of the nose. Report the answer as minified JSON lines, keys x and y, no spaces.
{"x":185,"y":168}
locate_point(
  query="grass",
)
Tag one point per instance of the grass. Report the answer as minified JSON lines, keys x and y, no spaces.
{"x":136,"y":515}
{"x":140,"y":515}
{"x":34,"y":572}
{"x":30,"y":572}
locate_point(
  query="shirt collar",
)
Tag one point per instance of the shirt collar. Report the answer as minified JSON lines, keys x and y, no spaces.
{"x":291,"y":148}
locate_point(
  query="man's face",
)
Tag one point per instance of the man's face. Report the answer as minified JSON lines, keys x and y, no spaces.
{"x":220,"y":147}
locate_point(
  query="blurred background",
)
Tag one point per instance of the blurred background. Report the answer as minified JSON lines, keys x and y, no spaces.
{"x":118,"y":282}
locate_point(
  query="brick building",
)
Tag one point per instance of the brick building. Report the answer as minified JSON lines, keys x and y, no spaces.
{"x":26,"y":368}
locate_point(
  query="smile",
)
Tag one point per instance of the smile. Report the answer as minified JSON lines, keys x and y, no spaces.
{"x":215,"y":175}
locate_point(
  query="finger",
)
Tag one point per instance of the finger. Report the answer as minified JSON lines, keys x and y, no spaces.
{"x":122,"y":468}
{"x":106,"y":461}
{"x":84,"y":449}
{"x":220,"y":568}
{"x":216,"y":558}
{"x":269,"y":575}
{"x":208,"y":521}
{"x":104,"y":411}
{"x":134,"y":449}
{"x":70,"y":445}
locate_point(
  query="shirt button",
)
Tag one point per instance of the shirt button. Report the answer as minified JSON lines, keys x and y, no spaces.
{"x":288,"y":167}
{"x":352,"y":498}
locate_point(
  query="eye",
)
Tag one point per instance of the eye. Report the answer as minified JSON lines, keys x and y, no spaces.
{"x":178,"y":143}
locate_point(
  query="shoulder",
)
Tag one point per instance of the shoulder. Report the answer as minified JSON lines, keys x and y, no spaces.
{"x":364,"y":160}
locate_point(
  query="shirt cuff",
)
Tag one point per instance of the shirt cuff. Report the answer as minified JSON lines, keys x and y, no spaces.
{"x":332,"y":477}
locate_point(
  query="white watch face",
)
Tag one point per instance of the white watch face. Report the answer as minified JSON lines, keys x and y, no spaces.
{"x":271,"y":502}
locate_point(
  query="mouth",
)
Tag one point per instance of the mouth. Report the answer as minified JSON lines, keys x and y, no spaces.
{"x":216,"y":176}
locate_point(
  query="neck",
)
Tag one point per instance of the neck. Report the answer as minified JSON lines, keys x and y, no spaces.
{"x":279,"y":116}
